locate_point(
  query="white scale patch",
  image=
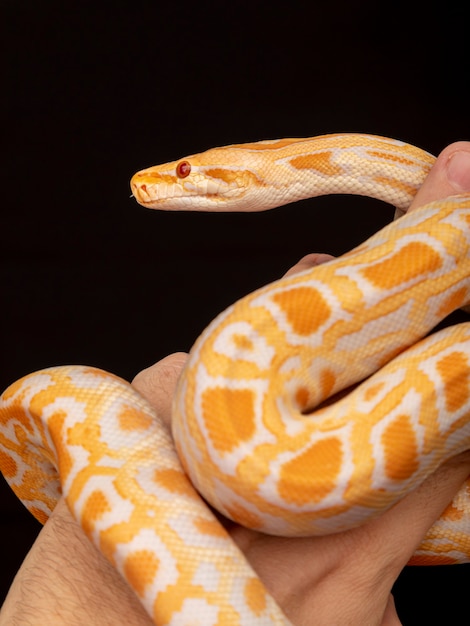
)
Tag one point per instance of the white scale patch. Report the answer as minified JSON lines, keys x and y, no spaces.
{"x":182,"y":522}
{"x":196,"y":612}
{"x":207,"y":576}
{"x":86,"y":378}
{"x":377,"y":328}
{"x":292,"y":419}
{"x":229,"y":342}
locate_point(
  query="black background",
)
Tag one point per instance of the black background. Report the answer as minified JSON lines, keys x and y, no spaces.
{"x":93,"y":91}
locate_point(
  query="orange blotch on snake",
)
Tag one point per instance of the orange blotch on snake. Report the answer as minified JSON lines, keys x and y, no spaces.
{"x":410,"y":190}
{"x":410,"y":262}
{"x":140,"y":569}
{"x":39,"y":514}
{"x":131,"y":418}
{"x":211,"y":528}
{"x":387,"y":156}
{"x":421,"y":559}
{"x":453,"y":302}
{"x":240,"y":514}
{"x":242,"y":342}
{"x":239,"y":404}
{"x":327,"y":382}
{"x":95,"y":507}
{"x":100,"y":374}
{"x":400,"y":449}
{"x":319,"y":161}
{"x":301,"y":397}
{"x":8,"y":465}
{"x":174,"y":481}
{"x":220,"y":173}
{"x":454,"y":371}
{"x":255,"y":595}
{"x":304,"y":307}
{"x":238,"y":178}
{"x":372,"y":391}
{"x":324,"y":460}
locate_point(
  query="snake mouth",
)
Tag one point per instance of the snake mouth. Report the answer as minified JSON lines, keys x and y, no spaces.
{"x":151,"y":196}
{"x":189,"y":195}
{"x":141,"y":194}
{"x":173,"y":199}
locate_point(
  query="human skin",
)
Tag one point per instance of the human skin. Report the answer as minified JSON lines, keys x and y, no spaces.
{"x":345,"y":578}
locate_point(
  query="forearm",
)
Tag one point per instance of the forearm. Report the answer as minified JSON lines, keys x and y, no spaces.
{"x":64,"y":580}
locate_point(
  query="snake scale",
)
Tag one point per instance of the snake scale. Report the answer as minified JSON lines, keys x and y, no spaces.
{"x":259,"y":428}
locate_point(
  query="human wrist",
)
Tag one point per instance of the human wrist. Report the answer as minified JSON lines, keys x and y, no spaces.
{"x":64,"y":580}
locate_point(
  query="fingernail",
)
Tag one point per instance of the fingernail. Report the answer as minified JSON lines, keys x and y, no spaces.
{"x":458,"y":170}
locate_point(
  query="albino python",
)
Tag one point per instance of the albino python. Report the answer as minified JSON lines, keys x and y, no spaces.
{"x":251,"y":424}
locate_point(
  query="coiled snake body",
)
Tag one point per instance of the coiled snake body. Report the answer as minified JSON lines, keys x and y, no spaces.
{"x":251,"y":424}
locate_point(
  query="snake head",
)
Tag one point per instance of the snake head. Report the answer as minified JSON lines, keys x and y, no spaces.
{"x":210,"y":181}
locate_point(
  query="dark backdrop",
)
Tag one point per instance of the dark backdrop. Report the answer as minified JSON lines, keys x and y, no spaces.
{"x":93,"y":91}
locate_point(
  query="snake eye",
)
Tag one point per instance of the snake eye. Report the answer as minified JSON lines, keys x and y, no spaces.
{"x":183,"y":169}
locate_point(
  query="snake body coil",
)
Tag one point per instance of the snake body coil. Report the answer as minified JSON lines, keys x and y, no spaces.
{"x":257,"y":425}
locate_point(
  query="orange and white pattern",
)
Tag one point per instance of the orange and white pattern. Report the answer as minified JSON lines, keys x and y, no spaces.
{"x":257,"y":425}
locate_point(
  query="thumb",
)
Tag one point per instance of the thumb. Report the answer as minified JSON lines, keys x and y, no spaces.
{"x":450,"y":175}
{"x":157,"y":383}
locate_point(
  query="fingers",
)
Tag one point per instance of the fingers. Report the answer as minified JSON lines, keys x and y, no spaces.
{"x":373,"y":555}
{"x":449,"y":176}
{"x":65,"y":580}
{"x":405,"y":525}
{"x":307,"y":262}
{"x":157,"y":383}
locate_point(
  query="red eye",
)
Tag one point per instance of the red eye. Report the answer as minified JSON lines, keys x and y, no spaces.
{"x":183,"y":169}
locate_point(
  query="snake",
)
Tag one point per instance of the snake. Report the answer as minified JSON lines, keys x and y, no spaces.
{"x":308,"y":407}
